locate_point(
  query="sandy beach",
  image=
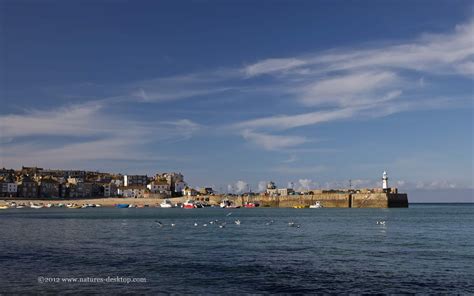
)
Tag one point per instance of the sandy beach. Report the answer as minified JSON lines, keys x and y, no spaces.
{"x":105,"y":202}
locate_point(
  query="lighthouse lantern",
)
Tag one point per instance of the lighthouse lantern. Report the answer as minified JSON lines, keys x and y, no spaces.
{"x":384,"y":181}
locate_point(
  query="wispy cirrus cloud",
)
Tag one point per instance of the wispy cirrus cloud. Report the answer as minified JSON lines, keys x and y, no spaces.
{"x":273,"y":142}
{"x":272,"y":65}
{"x":375,"y":81}
{"x":434,"y":53}
{"x":83,"y":132}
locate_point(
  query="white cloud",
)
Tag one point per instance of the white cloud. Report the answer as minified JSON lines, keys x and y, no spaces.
{"x":290,"y":159}
{"x":272,"y":65}
{"x":241,"y":186}
{"x":77,"y":120}
{"x":349,"y":89}
{"x":282,"y":122}
{"x":305,"y":184}
{"x":82,"y":133}
{"x":262,"y":186}
{"x":273,"y":142}
{"x":361,"y":83}
{"x":298,"y":170}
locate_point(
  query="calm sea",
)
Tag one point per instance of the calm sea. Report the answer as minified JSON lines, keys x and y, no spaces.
{"x":427,"y":248}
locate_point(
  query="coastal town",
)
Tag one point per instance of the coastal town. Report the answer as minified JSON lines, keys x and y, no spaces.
{"x":170,"y":189}
{"x":35,"y":182}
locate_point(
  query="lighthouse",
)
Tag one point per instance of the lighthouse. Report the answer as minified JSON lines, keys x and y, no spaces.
{"x":384,"y":181}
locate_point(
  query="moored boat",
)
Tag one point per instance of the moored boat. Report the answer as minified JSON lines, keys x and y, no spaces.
{"x":166,"y":204}
{"x":251,"y":205}
{"x":189,"y":204}
{"x":122,"y":206}
{"x":35,"y":206}
{"x":317,"y":205}
{"x":3,"y":207}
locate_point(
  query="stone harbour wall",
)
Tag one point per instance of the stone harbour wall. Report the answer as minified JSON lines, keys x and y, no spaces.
{"x":330,"y":200}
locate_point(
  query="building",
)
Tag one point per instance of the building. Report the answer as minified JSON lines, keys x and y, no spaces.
{"x":31,"y":171}
{"x":131,"y":180}
{"x":6,"y":172}
{"x":79,"y":190}
{"x":188,"y":191}
{"x":48,"y":188}
{"x":159,"y":187}
{"x":110,"y":189}
{"x":172,"y":179}
{"x":117,"y":181}
{"x":206,"y":191}
{"x":75,"y":180}
{"x":27,"y":187}
{"x":8,"y":186}
{"x":132,"y":191}
{"x":179,"y":187}
{"x":272,"y":190}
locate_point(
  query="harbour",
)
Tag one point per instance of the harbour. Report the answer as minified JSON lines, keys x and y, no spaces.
{"x":337,"y":250}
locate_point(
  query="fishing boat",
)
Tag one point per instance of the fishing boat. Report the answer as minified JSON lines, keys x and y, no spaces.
{"x":189,"y":204}
{"x":166,"y":204}
{"x":317,"y":205}
{"x":250,"y":205}
{"x":122,"y":206}
{"x":3,"y":207}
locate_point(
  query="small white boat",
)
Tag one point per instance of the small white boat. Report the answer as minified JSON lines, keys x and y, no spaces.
{"x":49,"y":205}
{"x":73,"y":206}
{"x":317,"y":205}
{"x":34,"y":206}
{"x":166,"y":204}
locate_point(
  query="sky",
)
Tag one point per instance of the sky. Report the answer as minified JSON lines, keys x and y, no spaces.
{"x":234,"y":94}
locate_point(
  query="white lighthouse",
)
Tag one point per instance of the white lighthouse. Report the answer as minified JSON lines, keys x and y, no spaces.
{"x":384,"y":181}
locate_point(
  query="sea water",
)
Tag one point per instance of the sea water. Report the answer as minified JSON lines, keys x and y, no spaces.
{"x":427,"y":248}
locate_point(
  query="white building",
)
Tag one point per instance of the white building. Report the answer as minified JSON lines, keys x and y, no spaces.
{"x":179,"y":186}
{"x":133,"y":191}
{"x":159,"y":187}
{"x":188,"y":191}
{"x":8,"y":187}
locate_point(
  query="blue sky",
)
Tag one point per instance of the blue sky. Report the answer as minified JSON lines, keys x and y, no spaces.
{"x":310,"y":92}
